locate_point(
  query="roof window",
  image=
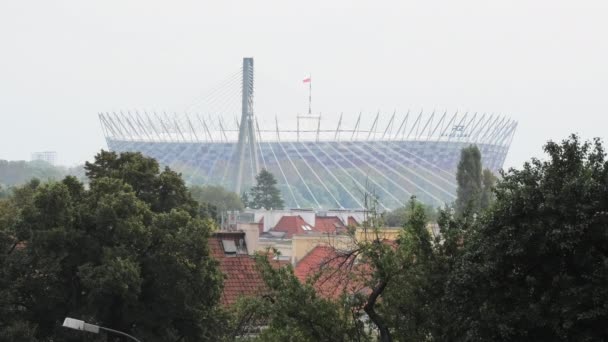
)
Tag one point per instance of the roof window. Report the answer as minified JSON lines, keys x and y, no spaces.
{"x":229,"y":247}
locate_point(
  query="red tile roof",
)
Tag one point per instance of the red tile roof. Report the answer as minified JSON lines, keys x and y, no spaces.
{"x":291,"y":225}
{"x":329,"y":224}
{"x":352,"y":222}
{"x":331,"y":272}
{"x":241,"y":275}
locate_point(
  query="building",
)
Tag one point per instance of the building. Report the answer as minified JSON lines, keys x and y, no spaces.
{"x":295,"y":232}
{"x":310,"y":242}
{"x":241,"y":276}
{"x":332,"y":272}
{"x":45,"y":156}
{"x":328,"y":162}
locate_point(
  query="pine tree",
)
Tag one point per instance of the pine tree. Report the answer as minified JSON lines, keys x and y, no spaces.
{"x":265,"y":193}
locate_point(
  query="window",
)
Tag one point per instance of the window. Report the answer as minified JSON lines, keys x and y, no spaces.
{"x":229,"y":247}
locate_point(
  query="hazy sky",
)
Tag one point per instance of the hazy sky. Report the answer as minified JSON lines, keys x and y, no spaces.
{"x":542,"y":62}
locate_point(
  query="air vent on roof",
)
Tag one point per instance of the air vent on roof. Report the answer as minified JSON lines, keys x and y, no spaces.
{"x":229,"y":246}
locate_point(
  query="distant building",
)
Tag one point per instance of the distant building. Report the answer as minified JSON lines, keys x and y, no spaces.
{"x":320,"y":163}
{"x":45,"y":156}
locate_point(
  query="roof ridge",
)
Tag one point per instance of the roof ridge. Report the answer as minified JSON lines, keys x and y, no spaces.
{"x":322,"y":245}
{"x":300,"y":216}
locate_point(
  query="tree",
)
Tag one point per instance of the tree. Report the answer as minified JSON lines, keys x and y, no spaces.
{"x":534,"y":267}
{"x":265,"y":193}
{"x":130,"y":252}
{"x":245,"y":200}
{"x":13,"y":173}
{"x":487,"y":195}
{"x":164,"y":190}
{"x":218,"y":197}
{"x":410,"y":302}
{"x":468,"y":177}
{"x":397,"y":303}
{"x":398,"y":217}
{"x":390,"y":281}
{"x":3,"y":192}
{"x":293,"y":311}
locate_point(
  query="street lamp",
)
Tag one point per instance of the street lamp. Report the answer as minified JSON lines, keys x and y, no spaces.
{"x":77,"y":324}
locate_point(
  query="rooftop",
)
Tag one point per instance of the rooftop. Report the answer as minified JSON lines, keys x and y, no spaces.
{"x":332,"y":271}
{"x":291,"y":225}
{"x":242,"y":278}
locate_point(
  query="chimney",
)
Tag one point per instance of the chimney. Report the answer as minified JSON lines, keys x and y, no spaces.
{"x":252,"y":236}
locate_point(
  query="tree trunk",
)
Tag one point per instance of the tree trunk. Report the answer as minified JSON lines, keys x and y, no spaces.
{"x":369,"y":308}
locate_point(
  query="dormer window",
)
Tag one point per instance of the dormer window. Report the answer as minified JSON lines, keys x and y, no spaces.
{"x":229,"y":247}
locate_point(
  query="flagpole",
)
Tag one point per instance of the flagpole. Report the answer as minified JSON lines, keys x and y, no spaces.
{"x":310,"y":95}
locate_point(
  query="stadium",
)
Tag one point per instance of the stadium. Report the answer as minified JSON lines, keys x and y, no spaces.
{"x":317,"y":163}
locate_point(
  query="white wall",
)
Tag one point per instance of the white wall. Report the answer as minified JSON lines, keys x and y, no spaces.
{"x":272,"y":217}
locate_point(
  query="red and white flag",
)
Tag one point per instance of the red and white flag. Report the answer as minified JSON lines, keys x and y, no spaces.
{"x":307,"y":80}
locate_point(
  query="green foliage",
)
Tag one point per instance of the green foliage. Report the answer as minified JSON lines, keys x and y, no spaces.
{"x":4,"y":192}
{"x":245,"y":200}
{"x":265,"y":193}
{"x":487,"y":191}
{"x":218,"y":197}
{"x":14,"y":173}
{"x":18,"y":331}
{"x":398,"y":217}
{"x":293,"y":311}
{"x":468,"y":177}
{"x":475,"y":187}
{"x":531,"y":266}
{"x":399,"y":303}
{"x":164,"y":191}
{"x":130,"y":252}
{"x":396,"y":301}
{"x":535,"y":266}
{"x":408,"y":301}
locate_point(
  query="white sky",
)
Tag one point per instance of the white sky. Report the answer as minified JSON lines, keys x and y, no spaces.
{"x":542,"y":62}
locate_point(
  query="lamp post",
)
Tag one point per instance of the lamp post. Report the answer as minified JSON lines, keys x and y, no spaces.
{"x":77,"y":324}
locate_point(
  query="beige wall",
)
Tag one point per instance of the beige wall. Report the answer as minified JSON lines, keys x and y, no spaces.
{"x":302,"y":244}
{"x":383,"y":234}
{"x":285,"y":247}
{"x":252,"y":236}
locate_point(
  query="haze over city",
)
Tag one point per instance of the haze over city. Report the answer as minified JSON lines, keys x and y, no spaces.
{"x":269,"y":171}
{"x":541,"y":63}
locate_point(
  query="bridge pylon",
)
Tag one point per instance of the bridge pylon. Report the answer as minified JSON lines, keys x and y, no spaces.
{"x":246,"y":127}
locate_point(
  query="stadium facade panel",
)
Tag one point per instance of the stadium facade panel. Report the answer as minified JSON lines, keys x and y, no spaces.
{"x":318,"y":167}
